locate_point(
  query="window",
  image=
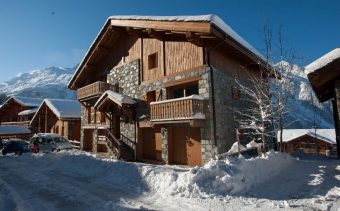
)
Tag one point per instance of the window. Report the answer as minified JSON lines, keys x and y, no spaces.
{"x":183,"y":90}
{"x":152,"y":61}
{"x":150,"y":97}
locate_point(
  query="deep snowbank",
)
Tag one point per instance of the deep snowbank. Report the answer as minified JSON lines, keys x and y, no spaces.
{"x":216,"y":178}
{"x":219,"y":177}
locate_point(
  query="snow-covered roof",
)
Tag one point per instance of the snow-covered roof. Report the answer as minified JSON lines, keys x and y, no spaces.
{"x":327,"y":135}
{"x":25,"y":101}
{"x":13,"y":129}
{"x":63,"y":109}
{"x":28,"y":112}
{"x":211,"y":18}
{"x":119,"y":99}
{"x":323,"y":61}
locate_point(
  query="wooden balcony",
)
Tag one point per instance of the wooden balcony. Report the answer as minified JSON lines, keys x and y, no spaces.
{"x":186,"y":109}
{"x":94,"y":90}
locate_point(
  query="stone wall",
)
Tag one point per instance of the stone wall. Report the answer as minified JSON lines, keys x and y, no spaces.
{"x":127,"y":76}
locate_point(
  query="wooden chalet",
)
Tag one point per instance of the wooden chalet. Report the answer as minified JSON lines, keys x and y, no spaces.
{"x":14,"y":131}
{"x":58,"y":116}
{"x":324,"y":75}
{"x":159,"y":89}
{"x":309,"y":141}
{"x":18,"y":110}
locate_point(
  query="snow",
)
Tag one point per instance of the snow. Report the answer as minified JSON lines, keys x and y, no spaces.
{"x":24,"y":101}
{"x":234,"y":148}
{"x":323,"y":61}
{"x":46,"y":83}
{"x":217,"y":21}
{"x":64,"y":109}
{"x":76,"y":180}
{"x":28,"y":112}
{"x":195,"y":97}
{"x":327,"y":135}
{"x":13,"y":129}
{"x":305,"y":111}
{"x":115,"y":97}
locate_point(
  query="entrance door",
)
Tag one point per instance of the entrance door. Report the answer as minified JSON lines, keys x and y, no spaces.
{"x":88,"y":140}
{"x":186,"y":146}
{"x":152,"y":144}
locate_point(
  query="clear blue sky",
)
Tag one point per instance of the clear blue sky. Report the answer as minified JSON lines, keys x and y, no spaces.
{"x":41,"y":33}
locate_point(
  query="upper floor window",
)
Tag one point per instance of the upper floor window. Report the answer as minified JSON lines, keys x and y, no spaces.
{"x":152,"y":61}
{"x":183,"y":90}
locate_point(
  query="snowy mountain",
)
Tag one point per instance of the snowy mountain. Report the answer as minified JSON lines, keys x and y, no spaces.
{"x":47,"y":83}
{"x":305,"y":111}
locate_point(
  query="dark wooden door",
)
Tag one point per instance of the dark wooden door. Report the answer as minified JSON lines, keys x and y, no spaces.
{"x":186,"y":146}
{"x":149,"y":146}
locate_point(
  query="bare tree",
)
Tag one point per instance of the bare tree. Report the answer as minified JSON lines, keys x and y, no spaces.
{"x":279,"y":60}
{"x":266,"y":95}
{"x":254,"y":115}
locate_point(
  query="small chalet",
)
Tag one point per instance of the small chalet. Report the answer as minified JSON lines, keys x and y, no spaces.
{"x":310,"y":141}
{"x":160,"y":88}
{"x":14,"y":131}
{"x":324,"y":75}
{"x":58,"y":116}
{"x":18,"y":110}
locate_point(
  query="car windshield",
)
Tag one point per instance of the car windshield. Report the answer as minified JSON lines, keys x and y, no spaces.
{"x":59,"y":139}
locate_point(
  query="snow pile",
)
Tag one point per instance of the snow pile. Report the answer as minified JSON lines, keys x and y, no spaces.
{"x":219,"y":177}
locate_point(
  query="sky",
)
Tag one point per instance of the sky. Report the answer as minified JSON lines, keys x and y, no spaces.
{"x":37,"y":34}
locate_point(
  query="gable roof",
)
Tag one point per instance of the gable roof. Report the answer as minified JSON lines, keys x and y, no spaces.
{"x":115,"y":97}
{"x":208,"y":24}
{"x":24,"y":101}
{"x":327,"y":135}
{"x":63,"y":109}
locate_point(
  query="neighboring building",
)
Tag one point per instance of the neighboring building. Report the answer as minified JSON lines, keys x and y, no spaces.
{"x":171,"y":85}
{"x":18,"y":110}
{"x":324,"y":75}
{"x":14,"y":131}
{"x":309,"y":141}
{"x":58,"y":116}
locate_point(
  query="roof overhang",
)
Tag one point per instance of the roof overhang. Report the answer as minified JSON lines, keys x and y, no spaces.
{"x":112,"y":99}
{"x":323,"y":80}
{"x":191,"y":30}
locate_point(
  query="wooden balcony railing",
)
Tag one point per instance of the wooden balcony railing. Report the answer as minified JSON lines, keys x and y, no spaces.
{"x":186,"y":108}
{"x":93,"y":90}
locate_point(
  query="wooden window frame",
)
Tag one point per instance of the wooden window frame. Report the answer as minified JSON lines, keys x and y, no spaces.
{"x":152,"y":61}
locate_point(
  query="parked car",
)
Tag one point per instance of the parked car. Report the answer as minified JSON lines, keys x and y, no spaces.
{"x":16,"y":146}
{"x":49,"y":142}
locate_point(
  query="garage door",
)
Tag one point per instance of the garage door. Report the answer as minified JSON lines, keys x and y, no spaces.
{"x":186,"y":146}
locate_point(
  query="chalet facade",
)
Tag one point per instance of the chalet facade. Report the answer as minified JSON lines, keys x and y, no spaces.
{"x":18,"y":110}
{"x":161,"y":88}
{"x":324,"y":75}
{"x":309,"y":141}
{"x":58,"y":116}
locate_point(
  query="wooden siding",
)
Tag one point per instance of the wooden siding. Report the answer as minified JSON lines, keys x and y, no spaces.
{"x":180,"y":56}
{"x":150,"y":46}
